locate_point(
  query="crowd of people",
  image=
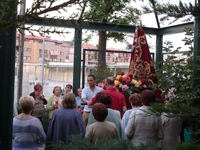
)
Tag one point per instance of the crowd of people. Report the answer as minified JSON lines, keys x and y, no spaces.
{"x":96,"y":113}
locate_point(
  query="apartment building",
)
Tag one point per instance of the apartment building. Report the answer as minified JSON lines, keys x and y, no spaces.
{"x":59,"y":58}
{"x":55,"y":51}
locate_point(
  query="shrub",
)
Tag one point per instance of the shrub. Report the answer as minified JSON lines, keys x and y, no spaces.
{"x":77,"y":143}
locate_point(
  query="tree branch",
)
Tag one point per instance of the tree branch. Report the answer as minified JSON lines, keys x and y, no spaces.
{"x":57,"y":7}
{"x":84,"y":5}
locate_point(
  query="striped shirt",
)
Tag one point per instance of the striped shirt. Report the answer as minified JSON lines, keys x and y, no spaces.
{"x":27,"y":133}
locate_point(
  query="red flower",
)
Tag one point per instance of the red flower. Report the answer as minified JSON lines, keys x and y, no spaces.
{"x":122,"y":73}
{"x":120,"y":79}
{"x":127,"y":79}
{"x":142,"y":80}
{"x":56,"y":102}
{"x":130,"y":75}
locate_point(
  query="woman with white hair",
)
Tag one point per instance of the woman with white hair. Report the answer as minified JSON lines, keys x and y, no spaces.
{"x":28,"y":132}
{"x":54,"y":102}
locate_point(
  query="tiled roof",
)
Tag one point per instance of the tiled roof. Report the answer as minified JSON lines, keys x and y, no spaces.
{"x":40,"y":38}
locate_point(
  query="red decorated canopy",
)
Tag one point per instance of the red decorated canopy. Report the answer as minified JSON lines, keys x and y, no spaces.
{"x":141,"y":63}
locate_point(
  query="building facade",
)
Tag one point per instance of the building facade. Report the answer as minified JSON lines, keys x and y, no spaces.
{"x":59,"y":58}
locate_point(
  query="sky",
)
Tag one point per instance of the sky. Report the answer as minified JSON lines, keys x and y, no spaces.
{"x":145,"y":21}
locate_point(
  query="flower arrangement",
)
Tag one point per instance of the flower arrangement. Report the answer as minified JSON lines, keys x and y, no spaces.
{"x":127,"y":85}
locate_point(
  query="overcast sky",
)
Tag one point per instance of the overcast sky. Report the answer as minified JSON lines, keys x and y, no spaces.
{"x":145,"y":21}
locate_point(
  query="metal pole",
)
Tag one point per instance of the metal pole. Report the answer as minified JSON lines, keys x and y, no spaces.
{"x":83,"y":69}
{"x":43,"y":49}
{"x":35,"y":73}
{"x":77,"y":58}
{"x":196,"y":51}
{"x":42,"y":69}
{"x":56,"y":74}
{"x":159,"y":44}
{"x":7,"y":67}
{"x":67,"y":74}
{"x":21,"y":54}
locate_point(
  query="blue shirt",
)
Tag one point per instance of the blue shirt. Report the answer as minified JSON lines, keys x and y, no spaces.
{"x":78,"y":103}
{"x":126,"y":115}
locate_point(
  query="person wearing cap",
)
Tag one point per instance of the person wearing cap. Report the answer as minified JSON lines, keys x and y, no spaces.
{"x":68,"y":88}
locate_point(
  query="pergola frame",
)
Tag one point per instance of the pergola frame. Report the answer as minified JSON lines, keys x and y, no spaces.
{"x":7,"y":55}
{"x":159,"y":32}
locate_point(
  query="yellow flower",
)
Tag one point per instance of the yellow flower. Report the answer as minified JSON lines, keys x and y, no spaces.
{"x":139,"y":82}
{"x":118,"y":77}
{"x":120,"y":85}
{"x":137,"y":85}
{"x":124,"y":76}
{"x":116,"y":82}
{"x":134,"y":81}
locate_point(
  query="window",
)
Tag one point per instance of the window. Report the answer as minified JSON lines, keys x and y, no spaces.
{"x":30,"y":41}
{"x":62,"y":60}
{"x":61,"y":53}
{"x":67,"y":55}
{"x":27,"y":49}
{"x":45,"y":51}
{"x":89,"y":57}
{"x":27,"y":58}
{"x":50,"y":43}
{"x":54,"y":52}
{"x":40,"y":52}
{"x":53,"y":60}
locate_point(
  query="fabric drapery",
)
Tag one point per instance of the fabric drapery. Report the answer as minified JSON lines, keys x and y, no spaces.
{"x":141,"y":62}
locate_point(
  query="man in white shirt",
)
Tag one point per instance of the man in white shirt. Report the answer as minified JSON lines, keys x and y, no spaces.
{"x":87,"y":94}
